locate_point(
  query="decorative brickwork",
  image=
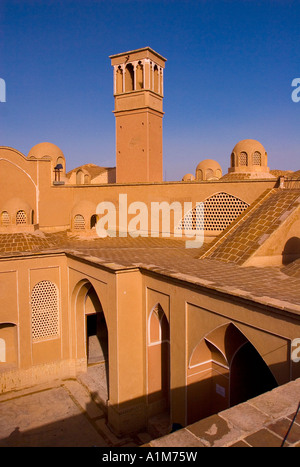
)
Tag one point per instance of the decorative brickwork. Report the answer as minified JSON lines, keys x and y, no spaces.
{"x":45,"y":311}
{"x":79,"y":222}
{"x":220,"y":210}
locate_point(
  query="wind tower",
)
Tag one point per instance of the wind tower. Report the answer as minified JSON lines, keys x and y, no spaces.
{"x":138,"y":93}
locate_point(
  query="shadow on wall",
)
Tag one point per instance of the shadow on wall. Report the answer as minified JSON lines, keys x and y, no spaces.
{"x":72,"y":427}
{"x":291,"y":251}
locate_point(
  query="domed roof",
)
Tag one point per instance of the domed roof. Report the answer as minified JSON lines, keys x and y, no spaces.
{"x":45,"y":149}
{"x":208,"y":164}
{"x":249,"y":146}
{"x":188,"y":177}
{"x":296,"y":175}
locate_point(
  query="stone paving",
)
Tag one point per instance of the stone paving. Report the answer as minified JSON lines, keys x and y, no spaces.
{"x":260,"y":422}
{"x":64,"y":413}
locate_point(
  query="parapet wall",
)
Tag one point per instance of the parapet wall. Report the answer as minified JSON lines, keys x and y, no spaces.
{"x":260,"y":422}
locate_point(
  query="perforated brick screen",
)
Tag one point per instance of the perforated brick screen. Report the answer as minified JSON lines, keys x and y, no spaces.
{"x":45,"y":311}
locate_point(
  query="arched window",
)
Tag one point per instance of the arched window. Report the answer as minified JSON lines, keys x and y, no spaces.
{"x":79,"y":177}
{"x":60,"y":161}
{"x":156,"y":79}
{"x":119,"y":80}
{"x":44,"y":311}
{"x":5,"y":220}
{"x":94,"y":220}
{"x":243,"y":159}
{"x":218,"y":173}
{"x":129,"y":78}
{"x":199,"y":175}
{"x":79,"y":222}
{"x":256,"y":160}
{"x":139,"y":76}
{"x":21,"y":217}
{"x":86,"y":179}
{"x":233,"y":160}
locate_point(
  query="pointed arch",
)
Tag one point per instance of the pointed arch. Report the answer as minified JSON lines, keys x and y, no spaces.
{"x":139,"y":76}
{"x":92,"y":332}
{"x":129,"y":78}
{"x":224,"y":369}
{"x":158,"y":358}
{"x":155,"y":79}
{"x":119,"y":80}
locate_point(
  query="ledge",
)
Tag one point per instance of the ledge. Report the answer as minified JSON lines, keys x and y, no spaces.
{"x":260,"y":422}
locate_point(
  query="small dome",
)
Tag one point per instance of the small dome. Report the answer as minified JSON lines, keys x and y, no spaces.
{"x":249,"y":146}
{"x":208,"y":169}
{"x":250,"y":157}
{"x":188,"y":178}
{"x":45,"y":149}
{"x":295,"y":175}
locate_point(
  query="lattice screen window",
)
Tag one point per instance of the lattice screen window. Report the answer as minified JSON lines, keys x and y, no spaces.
{"x":45,"y":311}
{"x":21,"y":217}
{"x":5,"y":220}
{"x":79,"y":222}
{"x":220,"y":210}
{"x":243,"y":159}
{"x":256,"y":158}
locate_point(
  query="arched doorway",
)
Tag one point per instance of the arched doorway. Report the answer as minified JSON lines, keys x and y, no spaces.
{"x":96,"y":329}
{"x":224,"y":370}
{"x":249,"y":375}
{"x":92,"y":336}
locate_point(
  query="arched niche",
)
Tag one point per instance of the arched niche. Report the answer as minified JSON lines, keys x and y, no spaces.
{"x":119,"y":80}
{"x":224,"y":369}
{"x":139,"y":76}
{"x":129,"y":78}
{"x":158,"y":357}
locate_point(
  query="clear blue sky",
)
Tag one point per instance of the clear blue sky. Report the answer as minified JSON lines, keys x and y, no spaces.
{"x":230,"y":65}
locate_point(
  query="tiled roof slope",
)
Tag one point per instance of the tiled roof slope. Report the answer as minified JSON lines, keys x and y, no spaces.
{"x":241,"y":240}
{"x":24,"y":242}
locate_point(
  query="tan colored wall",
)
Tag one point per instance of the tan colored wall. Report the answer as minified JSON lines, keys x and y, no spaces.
{"x":30,"y":182}
{"x":195,"y":313}
{"x":127,"y":297}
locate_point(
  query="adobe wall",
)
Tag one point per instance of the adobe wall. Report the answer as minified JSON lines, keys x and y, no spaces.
{"x":137,"y":353}
{"x":70,"y":198}
{"x":27,"y":183}
{"x":193,"y":313}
